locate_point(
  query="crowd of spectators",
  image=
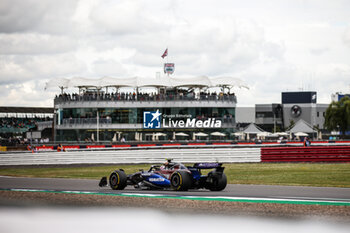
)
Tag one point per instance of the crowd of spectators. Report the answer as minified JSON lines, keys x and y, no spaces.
{"x":17,"y":123}
{"x":11,"y":141}
{"x":138,"y":96}
{"x":23,"y":122}
{"x":13,"y":128}
{"x":15,"y":141}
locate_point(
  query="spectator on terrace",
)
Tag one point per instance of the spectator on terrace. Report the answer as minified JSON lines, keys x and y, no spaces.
{"x":60,"y":148}
{"x":307,"y":142}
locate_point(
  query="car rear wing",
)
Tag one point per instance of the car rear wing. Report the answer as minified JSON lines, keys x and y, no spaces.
{"x":207,"y":165}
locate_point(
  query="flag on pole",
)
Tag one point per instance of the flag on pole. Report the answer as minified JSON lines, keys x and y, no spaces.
{"x":165,"y":53}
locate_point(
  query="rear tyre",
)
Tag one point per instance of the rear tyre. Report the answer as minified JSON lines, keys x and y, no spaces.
{"x":217,"y":181}
{"x":180,"y":181}
{"x":117,"y":180}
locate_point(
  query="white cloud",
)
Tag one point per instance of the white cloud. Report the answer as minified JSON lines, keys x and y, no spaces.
{"x":31,"y":44}
{"x":109,"y":68}
{"x":123,"y":18}
{"x":16,"y":69}
{"x":29,"y":93}
{"x":346,"y":36}
{"x":319,"y":51}
{"x":10,"y":72}
{"x":274,"y":46}
{"x":36,"y":15}
{"x":16,"y":17}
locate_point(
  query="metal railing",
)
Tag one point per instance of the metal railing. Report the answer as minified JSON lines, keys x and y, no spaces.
{"x":226,"y":121}
{"x":144,"y":97}
{"x":79,"y":121}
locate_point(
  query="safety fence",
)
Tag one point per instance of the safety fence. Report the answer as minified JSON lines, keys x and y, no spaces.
{"x":186,"y":155}
{"x":306,"y":154}
{"x":225,"y":155}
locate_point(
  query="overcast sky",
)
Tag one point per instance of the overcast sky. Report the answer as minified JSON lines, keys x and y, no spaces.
{"x":272,"y":45}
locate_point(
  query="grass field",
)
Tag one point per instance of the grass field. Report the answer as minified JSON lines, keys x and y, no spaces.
{"x":305,"y":174}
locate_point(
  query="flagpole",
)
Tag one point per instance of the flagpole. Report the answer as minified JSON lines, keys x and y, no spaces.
{"x":167,"y":58}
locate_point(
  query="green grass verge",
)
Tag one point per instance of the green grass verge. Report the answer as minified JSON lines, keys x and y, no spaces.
{"x":305,"y":174}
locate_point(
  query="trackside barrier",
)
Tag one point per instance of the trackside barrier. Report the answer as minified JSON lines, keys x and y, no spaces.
{"x":306,"y":154}
{"x":224,"y":155}
{"x":188,"y":145}
{"x":186,"y":155}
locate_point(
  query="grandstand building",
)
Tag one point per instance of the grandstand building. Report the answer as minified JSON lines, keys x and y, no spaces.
{"x":110,"y":109}
{"x":294,"y":106}
{"x":338,"y":95}
{"x":25,"y":123}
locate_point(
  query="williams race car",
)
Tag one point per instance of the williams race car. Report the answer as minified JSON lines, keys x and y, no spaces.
{"x":170,"y":175}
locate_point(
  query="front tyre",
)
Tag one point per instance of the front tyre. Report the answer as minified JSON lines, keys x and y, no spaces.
{"x":217,"y":181}
{"x":180,"y":181}
{"x":117,"y":180}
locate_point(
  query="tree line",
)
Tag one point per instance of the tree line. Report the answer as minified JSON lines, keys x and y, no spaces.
{"x":337,"y":116}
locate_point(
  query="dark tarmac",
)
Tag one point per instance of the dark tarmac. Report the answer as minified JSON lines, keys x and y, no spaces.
{"x":232,"y":190}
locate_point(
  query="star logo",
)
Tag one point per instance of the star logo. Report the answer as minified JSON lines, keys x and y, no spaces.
{"x":151,"y":120}
{"x":156,"y":115}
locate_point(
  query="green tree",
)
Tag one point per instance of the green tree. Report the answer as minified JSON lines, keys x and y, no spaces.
{"x":338,"y":115}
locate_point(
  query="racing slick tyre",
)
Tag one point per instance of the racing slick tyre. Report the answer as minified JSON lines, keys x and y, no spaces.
{"x":218,"y":181}
{"x":180,"y":181}
{"x":117,"y":180}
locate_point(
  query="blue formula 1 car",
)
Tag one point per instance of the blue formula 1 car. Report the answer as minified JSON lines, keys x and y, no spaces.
{"x":174,"y":176}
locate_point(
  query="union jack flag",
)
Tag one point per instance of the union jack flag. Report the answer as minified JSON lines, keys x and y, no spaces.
{"x":165,"y":53}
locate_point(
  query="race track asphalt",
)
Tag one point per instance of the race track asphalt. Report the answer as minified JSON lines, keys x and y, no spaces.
{"x":232,"y":190}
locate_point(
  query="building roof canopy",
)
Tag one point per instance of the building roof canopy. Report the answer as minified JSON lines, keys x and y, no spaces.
{"x":198,"y":81}
{"x":252,"y":129}
{"x":302,"y":126}
{"x":33,"y":110}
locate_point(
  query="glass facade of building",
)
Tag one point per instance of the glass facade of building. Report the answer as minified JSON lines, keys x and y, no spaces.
{"x":135,"y":115}
{"x":82,"y":124}
{"x":96,"y":115}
